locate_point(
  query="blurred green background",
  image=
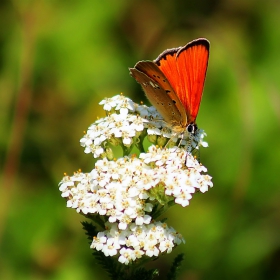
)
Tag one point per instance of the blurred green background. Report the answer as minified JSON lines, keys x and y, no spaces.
{"x":59,"y":58}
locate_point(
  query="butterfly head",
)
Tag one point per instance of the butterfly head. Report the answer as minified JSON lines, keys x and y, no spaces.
{"x":192,"y":128}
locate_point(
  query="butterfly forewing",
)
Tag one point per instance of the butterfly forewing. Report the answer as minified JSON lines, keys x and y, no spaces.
{"x":166,"y":62}
{"x":160,"y":93}
{"x":185,"y":68}
{"x":193,"y":58}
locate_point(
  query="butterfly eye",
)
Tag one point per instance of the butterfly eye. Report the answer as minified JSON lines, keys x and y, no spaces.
{"x":192,"y":128}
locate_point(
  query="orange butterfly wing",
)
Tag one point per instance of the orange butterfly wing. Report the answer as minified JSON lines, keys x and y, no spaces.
{"x":160,"y":93}
{"x":185,"y":68}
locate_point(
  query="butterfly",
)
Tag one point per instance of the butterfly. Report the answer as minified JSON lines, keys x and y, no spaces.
{"x":174,"y":83}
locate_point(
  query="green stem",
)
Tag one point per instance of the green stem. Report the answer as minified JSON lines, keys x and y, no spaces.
{"x":141,"y":138}
{"x":140,"y":146}
{"x":126,"y":150}
{"x":163,"y":209}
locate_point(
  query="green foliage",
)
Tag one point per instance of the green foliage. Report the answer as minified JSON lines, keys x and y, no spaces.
{"x":176,"y":265}
{"x":63,"y":57}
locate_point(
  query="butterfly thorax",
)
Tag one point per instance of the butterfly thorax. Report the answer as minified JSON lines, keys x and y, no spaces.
{"x":180,"y":127}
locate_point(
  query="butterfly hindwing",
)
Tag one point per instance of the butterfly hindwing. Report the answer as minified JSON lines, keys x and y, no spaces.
{"x":160,"y":93}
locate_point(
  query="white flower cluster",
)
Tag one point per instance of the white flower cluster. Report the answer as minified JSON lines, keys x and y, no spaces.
{"x":125,"y":122}
{"x":136,"y":241}
{"x":126,"y":191}
{"x":120,"y":189}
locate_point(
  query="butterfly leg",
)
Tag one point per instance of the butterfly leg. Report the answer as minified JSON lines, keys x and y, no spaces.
{"x":189,"y":146}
